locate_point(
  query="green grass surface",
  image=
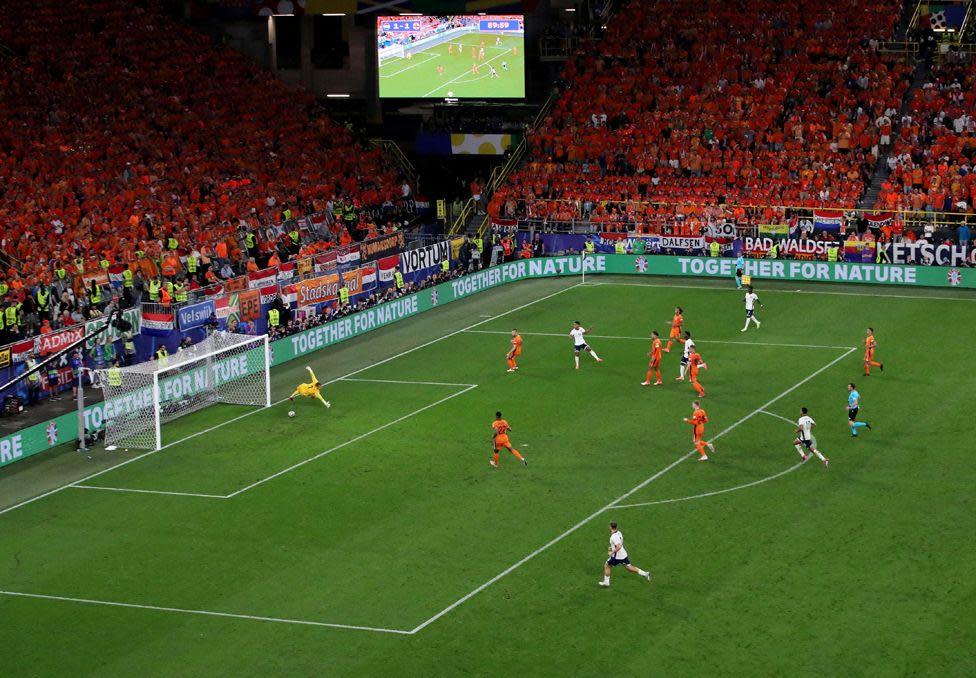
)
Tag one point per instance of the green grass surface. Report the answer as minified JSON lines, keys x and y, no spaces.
{"x":395,"y":517}
{"x":417,"y":77}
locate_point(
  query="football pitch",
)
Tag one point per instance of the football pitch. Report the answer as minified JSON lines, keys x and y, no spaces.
{"x":418,"y":77}
{"x":374,"y":537}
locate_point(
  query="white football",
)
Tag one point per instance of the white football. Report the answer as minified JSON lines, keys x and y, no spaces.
{"x":291,"y":413}
{"x":450,"y":94}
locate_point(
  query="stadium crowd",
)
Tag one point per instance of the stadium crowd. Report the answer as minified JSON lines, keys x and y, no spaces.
{"x":743,"y":103}
{"x":130,"y":139}
{"x":934,"y":155}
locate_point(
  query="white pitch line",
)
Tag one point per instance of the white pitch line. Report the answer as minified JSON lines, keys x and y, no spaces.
{"x":255,"y":411}
{"x":208,"y":613}
{"x":398,"y":381}
{"x":648,"y":338}
{"x":460,"y":601}
{"x":712,"y":494}
{"x":129,"y":489}
{"x":777,"y":291}
{"x":445,"y":84}
{"x":348,"y":442}
{"x":778,"y":416}
{"x":430,"y":57}
{"x":305,"y":461}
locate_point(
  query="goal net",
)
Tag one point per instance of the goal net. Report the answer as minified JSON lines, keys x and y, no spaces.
{"x":223,"y":368}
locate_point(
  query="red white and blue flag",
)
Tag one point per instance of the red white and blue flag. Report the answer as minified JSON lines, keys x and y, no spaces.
{"x":157,"y":324}
{"x":387,"y":267}
{"x":828,"y":220}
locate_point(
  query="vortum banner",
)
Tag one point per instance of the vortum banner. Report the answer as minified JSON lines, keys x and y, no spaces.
{"x":64,"y":429}
{"x":425,"y":257}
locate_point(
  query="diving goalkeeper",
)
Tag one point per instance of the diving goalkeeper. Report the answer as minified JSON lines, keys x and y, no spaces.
{"x":310,"y":390}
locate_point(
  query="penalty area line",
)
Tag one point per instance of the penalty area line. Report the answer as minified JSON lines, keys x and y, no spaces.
{"x":613,"y":504}
{"x":648,"y":338}
{"x":207,"y":613}
{"x":255,"y":411}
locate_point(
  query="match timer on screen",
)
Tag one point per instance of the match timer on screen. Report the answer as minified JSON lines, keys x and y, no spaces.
{"x":496,"y":25}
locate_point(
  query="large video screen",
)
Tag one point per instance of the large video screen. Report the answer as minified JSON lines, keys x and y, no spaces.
{"x":462,"y":57}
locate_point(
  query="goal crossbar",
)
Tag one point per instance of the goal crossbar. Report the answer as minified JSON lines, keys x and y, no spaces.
{"x":223,"y":368}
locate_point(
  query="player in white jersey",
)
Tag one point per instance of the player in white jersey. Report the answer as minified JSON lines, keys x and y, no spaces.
{"x":504,"y":65}
{"x":618,"y":556}
{"x":492,"y":73}
{"x":805,"y":438}
{"x":689,"y":348}
{"x":751,"y":300}
{"x":578,"y":333}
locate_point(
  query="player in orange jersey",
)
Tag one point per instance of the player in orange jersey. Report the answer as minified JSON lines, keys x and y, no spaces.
{"x":698,"y":420}
{"x":515,"y":351}
{"x":499,"y":439}
{"x":654,"y":366}
{"x":474,"y":53}
{"x":676,"y":322}
{"x":694,"y":362}
{"x":440,"y":70}
{"x":450,"y":48}
{"x":474,"y":68}
{"x":870,"y":343}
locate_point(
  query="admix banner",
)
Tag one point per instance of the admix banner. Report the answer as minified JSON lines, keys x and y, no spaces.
{"x":63,"y":429}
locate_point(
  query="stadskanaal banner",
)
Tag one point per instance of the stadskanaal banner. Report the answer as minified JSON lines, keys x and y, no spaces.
{"x":65,"y":428}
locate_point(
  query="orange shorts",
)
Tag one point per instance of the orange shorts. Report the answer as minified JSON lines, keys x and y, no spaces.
{"x":516,"y":353}
{"x":502,"y":441}
{"x":675,"y":333}
{"x":869,"y":355}
{"x":656,"y":362}
{"x":698,"y":432}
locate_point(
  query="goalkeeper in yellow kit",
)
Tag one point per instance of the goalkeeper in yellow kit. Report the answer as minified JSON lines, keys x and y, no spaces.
{"x":311,"y":389}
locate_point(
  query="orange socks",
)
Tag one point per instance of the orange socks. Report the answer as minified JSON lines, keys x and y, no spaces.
{"x":511,"y":364}
{"x":700,"y":444}
{"x":496,"y":458}
{"x":699,"y":388}
{"x":516,"y":453}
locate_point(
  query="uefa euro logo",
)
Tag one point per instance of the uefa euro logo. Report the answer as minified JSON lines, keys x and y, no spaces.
{"x":641,"y":264}
{"x":955,"y":277}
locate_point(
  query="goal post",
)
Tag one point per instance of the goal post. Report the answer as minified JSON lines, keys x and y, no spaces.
{"x":223,"y":368}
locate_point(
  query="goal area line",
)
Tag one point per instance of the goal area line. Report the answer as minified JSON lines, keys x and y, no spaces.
{"x":464,"y":389}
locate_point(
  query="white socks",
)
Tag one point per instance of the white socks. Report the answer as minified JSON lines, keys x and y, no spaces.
{"x":595,"y":356}
{"x":606,"y":580}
